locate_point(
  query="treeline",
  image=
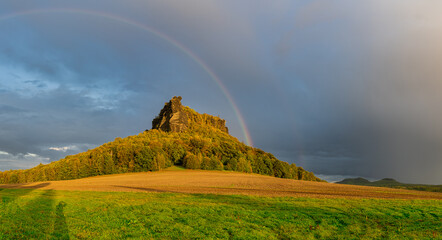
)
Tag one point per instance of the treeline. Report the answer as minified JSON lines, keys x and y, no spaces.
{"x":202,"y":147}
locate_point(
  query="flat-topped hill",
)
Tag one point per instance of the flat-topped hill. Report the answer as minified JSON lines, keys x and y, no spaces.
{"x":179,"y":136}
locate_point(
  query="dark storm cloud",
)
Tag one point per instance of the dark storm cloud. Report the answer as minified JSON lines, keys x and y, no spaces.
{"x":367,"y":79}
{"x":340,"y":88}
{"x":6,"y":109}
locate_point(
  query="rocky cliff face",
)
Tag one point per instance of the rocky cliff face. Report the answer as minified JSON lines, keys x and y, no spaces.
{"x":174,"y":117}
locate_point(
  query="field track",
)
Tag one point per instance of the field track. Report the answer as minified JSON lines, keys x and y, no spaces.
{"x":217,"y":182}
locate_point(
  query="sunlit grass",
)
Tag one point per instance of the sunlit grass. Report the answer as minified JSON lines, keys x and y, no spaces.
{"x":46,"y":214}
{"x":175,"y":168}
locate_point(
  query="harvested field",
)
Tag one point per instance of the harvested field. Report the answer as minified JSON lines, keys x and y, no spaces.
{"x":227,"y":183}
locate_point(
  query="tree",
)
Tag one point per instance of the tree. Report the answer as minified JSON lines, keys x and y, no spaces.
{"x":244,"y":165}
{"x":205,"y":164}
{"x":216,"y":164}
{"x":192,"y":161}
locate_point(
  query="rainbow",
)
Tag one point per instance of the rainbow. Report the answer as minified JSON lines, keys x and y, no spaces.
{"x":159,"y":34}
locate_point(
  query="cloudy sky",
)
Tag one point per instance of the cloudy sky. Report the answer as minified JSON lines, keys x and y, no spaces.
{"x":341,"y":88}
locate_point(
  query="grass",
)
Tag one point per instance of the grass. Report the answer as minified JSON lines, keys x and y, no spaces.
{"x":175,"y":168}
{"x":49,"y":214}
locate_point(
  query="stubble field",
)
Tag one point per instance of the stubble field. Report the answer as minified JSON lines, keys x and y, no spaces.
{"x":221,"y":182}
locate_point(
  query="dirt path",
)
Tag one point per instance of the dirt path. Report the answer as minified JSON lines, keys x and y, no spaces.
{"x":216,"y":182}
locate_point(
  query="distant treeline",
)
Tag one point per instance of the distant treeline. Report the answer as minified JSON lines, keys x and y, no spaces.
{"x":202,"y":147}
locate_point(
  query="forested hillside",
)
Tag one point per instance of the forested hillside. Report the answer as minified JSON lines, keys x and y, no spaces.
{"x":201,"y":144}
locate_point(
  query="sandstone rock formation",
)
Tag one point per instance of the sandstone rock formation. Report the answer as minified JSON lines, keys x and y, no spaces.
{"x":174,"y":117}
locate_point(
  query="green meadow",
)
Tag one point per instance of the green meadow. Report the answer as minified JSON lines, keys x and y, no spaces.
{"x":49,"y":214}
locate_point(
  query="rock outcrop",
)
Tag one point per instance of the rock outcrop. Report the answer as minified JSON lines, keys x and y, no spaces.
{"x":174,"y":117}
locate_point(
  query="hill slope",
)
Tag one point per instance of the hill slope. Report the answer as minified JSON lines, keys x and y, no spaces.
{"x":389,"y":182}
{"x":355,"y":181}
{"x":180,"y":136}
